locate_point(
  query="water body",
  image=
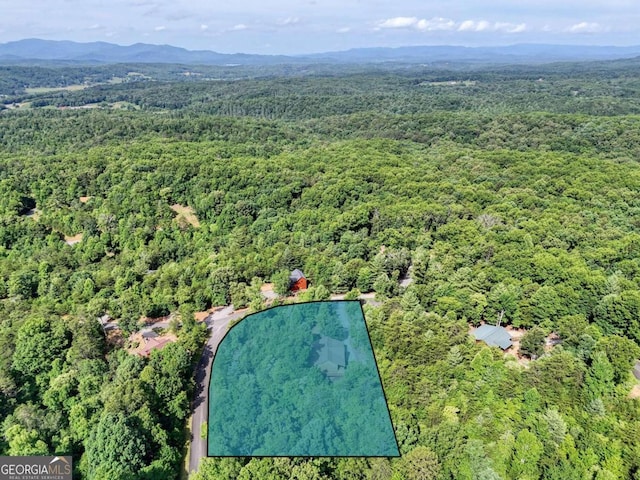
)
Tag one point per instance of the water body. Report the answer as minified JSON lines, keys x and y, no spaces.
{"x":299,"y":380}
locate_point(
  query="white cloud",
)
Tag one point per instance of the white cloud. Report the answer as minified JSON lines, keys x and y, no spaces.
{"x":424,"y":25}
{"x":435,"y":24}
{"x":398,"y":22}
{"x":585,"y":27}
{"x":343,"y":30}
{"x":204,"y":27}
{"x":475,"y":26}
{"x":467,"y":26}
{"x":239,"y":27}
{"x":484,"y":26}
{"x":160,"y":28}
{"x":446,"y":24}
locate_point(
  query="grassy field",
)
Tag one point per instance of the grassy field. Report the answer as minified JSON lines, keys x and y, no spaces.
{"x":70,"y":88}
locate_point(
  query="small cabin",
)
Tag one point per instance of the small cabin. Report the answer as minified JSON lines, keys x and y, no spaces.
{"x":493,"y":336}
{"x":297,"y":281}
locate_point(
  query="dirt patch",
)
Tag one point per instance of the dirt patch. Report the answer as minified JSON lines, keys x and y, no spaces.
{"x":516,"y":333}
{"x":267,"y":291}
{"x":267,"y":287}
{"x":514,"y":349}
{"x":115,"y":338}
{"x":73,"y":240}
{"x":202,"y":316}
{"x":635,"y":392}
{"x":185,"y":214}
{"x":85,"y":199}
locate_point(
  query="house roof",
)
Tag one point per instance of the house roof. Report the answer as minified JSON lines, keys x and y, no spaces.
{"x":636,"y":370}
{"x":296,"y":275}
{"x":154,"y":343}
{"x":493,"y":336}
{"x":332,"y":351}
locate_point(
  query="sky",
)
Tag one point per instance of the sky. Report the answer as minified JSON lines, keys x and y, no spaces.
{"x":307,"y":26}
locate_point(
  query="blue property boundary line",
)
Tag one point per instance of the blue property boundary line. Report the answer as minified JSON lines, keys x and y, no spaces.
{"x":360,"y":303}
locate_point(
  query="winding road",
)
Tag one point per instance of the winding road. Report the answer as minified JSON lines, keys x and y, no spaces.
{"x":218,"y":323}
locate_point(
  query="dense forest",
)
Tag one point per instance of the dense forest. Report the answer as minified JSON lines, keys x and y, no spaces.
{"x":502,"y":193}
{"x":269,"y":396}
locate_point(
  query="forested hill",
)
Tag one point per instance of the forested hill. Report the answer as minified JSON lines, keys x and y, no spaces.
{"x":508,"y":196}
{"x":30,"y":50}
{"x":295,"y":93}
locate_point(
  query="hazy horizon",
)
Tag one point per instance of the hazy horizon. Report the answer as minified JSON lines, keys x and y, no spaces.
{"x":301,"y":54}
{"x":294,"y":28}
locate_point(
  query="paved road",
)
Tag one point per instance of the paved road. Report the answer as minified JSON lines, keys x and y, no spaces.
{"x":217,"y":322}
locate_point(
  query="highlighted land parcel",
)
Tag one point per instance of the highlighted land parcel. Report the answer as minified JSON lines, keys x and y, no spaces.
{"x":299,"y":380}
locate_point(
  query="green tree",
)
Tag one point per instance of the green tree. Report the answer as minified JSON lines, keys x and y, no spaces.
{"x":365,"y":279}
{"x":502,"y":303}
{"x":321,"y":293}
{"x":186,"y":313}
{"x":532,"y":342}
{"x":281,"y":282}
{"x":218,"y":469}
{"x":239,"y":297}
{"x":621,"y":353}
{"x":25,"y":442}
{"x":352,"y":294}
{"x":554,"y":425}
{"x":115,"y":448}
{"x":420,"y":464}
{"x":599,"y":379}
{"x":571,"y":328}
{"x":38,"y":343}
{"x":526,"y":455}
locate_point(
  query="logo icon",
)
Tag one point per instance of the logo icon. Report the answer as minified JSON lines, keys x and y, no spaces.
{"x":36,"y":468}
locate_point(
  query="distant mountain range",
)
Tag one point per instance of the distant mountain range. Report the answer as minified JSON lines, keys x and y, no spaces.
{"x":33,"y":50}
{"x":38,"y":51}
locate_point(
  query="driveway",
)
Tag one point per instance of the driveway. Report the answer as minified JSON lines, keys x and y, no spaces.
{"x":218,"y":323}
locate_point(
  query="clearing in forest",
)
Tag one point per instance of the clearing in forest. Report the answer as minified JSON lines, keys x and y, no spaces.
{"x":185,"y":214}
{"x":73,"y":240}
{"x":34,"y":214}
{"x":68,"y":88}
{"x":299,"y":380}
